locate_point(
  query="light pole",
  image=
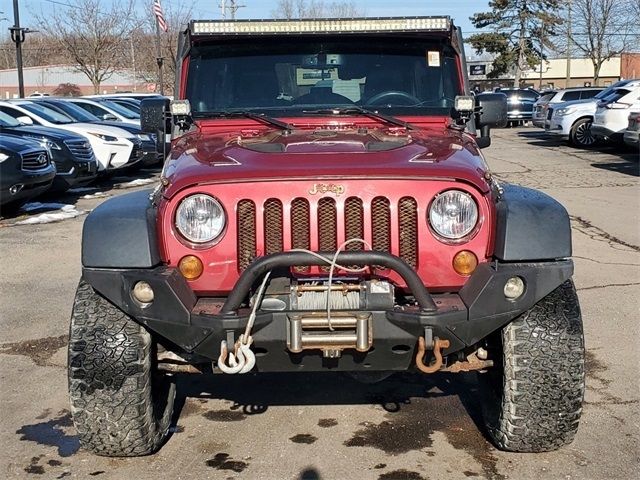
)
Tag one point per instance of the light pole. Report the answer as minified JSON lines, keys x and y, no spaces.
{"x":17,"y":36}
{"x":568,"y":80}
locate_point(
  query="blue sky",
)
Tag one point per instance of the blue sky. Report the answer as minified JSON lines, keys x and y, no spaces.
{"x":460,"y":10}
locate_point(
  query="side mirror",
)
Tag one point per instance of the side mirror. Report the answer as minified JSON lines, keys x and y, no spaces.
{"x":154,"y":115}
{"x":109,"y":117}
{"x":492,"y":110}
{"x":25,"y":120}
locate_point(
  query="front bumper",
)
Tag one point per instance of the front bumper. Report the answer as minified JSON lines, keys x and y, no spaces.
{"x":632,"y":138}
{"x":602,"y":132}
{"x":198,"y":325}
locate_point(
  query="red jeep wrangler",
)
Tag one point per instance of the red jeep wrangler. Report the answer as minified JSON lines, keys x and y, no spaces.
{"x":325,"y":206}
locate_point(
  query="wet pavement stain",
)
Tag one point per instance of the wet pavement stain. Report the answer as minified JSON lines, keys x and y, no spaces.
{"x":327,"y":422}
{"x":96,"y":473}
{"x":468,"y":473}
{"x":380,"y":466}
{"x":594,"y":368}
{"x":33,"y":467}
{"x":401,"y":474}
{"x":39,"y":350}
{"x":54,"y":463}
{"x":454,"y":411}
{"x":224,"y":415}
{"x":52,"y":433}
{"x":303,"y":438}
{"x":222,"y":461}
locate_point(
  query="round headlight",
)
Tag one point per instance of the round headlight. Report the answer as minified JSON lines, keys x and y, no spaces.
{"x":200,"y":218}
{"x":453,"y":214}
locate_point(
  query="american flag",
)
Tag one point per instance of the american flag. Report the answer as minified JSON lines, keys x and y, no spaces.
{"x":157,"y":10}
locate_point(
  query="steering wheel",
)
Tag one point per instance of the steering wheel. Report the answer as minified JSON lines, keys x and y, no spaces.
{"x":384,"y":97}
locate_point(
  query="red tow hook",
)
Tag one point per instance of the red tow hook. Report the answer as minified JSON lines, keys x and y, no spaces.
{"x":438,"y":345}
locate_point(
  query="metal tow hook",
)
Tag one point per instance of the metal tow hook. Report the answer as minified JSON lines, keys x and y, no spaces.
{"x":241,"y":360}
{"x":438,"y":345}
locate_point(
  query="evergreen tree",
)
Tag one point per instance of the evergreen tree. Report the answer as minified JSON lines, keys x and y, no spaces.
{"x":519,"y":30}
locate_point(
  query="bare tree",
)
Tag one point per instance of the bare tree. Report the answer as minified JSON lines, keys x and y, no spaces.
{"x":93,"y":33}
{"x":603,"y":29}
{"x":290,"y":9}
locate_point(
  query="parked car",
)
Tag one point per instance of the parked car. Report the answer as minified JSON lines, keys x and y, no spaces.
{"x":149,"y":154}
{"x":632,"y":132}
{"x":547,"y":99}
{"x":105,"y":109}
{"x":72,"y":154}
{"x":520,"y":104}
{"x":128,"y":103}
{"x":113,"y":147}
{"x":612,"y":114}
{"x":572,"y":120}
{"x":26,"y":171}
{"x":242,"y":259}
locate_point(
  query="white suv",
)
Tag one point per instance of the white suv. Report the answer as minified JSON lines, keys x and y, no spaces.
{"x":566,"y":95}
{"x":572,"y":120}
{"x":112,"y":146}
{"x":612,"y":115}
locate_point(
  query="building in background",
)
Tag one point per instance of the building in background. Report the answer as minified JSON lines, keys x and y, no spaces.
{"x":47,"y":78}
{"x":554,"y":73}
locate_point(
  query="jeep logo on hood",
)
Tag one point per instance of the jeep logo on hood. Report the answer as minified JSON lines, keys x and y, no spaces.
{"x":320,"y":188}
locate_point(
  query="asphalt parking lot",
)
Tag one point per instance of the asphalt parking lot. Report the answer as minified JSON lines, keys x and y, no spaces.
{"x":327,"y":426}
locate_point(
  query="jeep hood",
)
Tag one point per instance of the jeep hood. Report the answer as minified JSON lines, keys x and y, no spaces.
{"x":268,"y":155}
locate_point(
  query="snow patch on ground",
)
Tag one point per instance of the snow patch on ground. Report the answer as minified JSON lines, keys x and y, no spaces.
{"x":64,"y":213}
{"x":95,"y":195}
{"x":135,"y":183}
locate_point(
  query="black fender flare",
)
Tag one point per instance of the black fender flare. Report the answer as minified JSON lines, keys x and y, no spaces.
{"x":121,"y":233}
{"x":530,"y":226}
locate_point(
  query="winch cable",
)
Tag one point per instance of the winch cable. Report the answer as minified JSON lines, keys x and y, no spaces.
{"x":333,"y":264}
{"x":242,"y":359}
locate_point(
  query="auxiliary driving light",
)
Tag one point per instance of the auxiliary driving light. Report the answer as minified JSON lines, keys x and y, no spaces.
{"x":143,"y":292}
{"x":514,"y":288}
{"x":190,"y":267}
{"x":465,"y":262}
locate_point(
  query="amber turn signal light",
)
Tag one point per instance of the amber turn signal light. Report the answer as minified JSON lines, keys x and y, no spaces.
{"x":190,"y":267}
{"x":465,"y":262}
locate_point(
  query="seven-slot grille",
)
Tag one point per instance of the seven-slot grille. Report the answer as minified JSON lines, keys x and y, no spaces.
{"x":35,"y":160}
{"x":80,"y":149}
{"x":329,"y":222}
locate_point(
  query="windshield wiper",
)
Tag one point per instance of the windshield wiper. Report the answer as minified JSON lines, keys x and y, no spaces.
{"x":259,"y":117}
{"x":363,"y":111}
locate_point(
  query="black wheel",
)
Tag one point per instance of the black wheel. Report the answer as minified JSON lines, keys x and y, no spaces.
{"x":121,"y":404}
{"x":580,"y":134}
{"x":536,"y":389}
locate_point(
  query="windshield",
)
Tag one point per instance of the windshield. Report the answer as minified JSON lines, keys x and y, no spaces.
{"x":73,"y":111}
{"x":47,"y":113}
{"x":125,"y":112}
{"x":8,"y":121}
{"x":299,"y":75}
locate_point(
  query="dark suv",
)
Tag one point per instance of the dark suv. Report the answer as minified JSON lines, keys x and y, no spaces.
{"x":520,"y":101}
{"x":72,"y":154}
{"x":25,"y":171}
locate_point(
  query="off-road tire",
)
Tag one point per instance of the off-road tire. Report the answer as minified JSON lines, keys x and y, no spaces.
{"x":580,"y":135}
{"x":121,"y":404}
{"x":535,"y":391}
